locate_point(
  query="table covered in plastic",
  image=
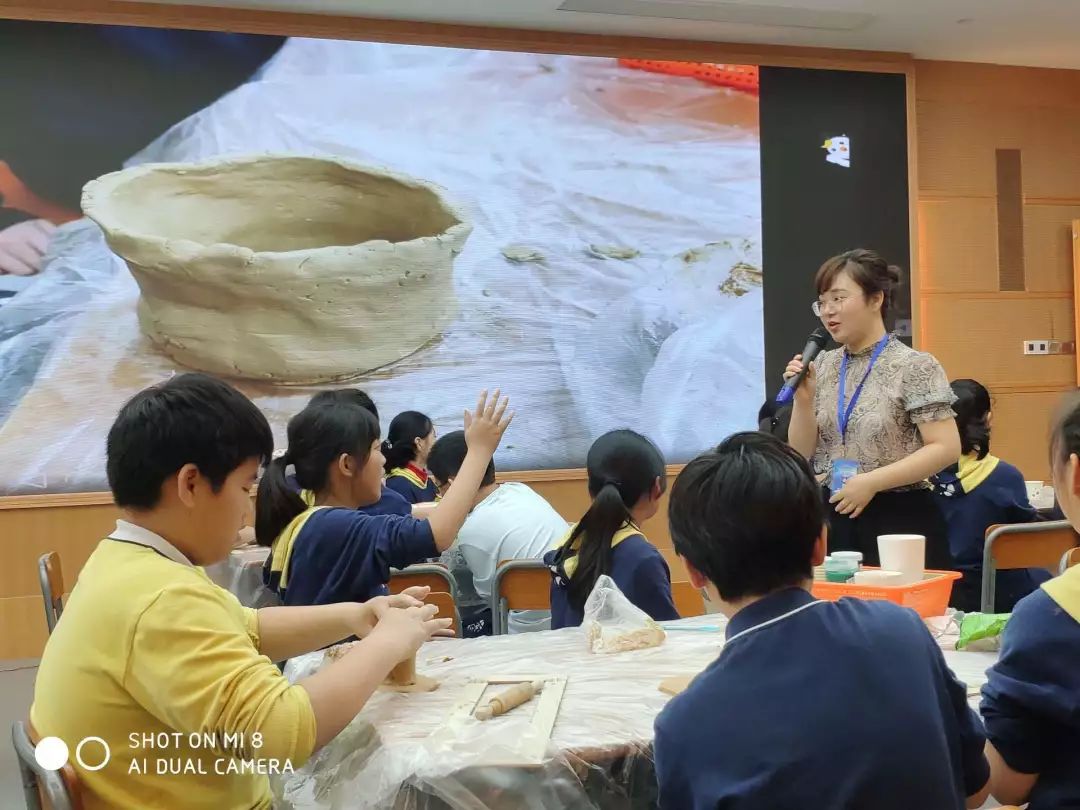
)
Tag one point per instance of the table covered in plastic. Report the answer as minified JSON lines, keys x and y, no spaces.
{"x":404,"y":751}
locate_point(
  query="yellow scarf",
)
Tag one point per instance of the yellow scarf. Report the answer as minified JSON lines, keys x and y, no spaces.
{"x":570,"y":563}
{"x":1065,"y":590}
{"x":409,"y":476}
{"x":281,"y":550}
{"x":971,"y":471}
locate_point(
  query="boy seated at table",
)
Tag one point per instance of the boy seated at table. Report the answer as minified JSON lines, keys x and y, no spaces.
{"x":150,"y":655}
{"x":843,"y":705}
{"x":508,"y":521}
{"x":1031,"y":701}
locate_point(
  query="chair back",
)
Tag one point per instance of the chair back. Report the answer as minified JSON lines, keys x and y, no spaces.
{"x":1023,"y":545}
{"x":519,"y":585}
{"x":434,"y":575}
{"x":51,"y":578}
{"x":448,"y":609}
{"x":688,"y":599}
{"x":43,"y":789}
{"x":1069,"y":559}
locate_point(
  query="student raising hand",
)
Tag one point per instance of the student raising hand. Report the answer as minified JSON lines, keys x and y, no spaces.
{"x":484,"y":429}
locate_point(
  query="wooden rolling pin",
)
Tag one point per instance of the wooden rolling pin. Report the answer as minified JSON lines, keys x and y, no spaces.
{"x":508,"y":699}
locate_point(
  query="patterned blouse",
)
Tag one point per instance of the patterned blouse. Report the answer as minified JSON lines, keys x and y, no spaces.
{"x":905,"y":389}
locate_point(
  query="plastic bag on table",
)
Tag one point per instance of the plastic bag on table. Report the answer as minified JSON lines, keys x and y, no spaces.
{"x":612,"y":623}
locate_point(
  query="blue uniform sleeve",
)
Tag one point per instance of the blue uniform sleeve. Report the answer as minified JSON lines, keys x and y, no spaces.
{"x":976,"y":769}
{"x":402,"y":487}
{"x":401,"y":541}
{"x":1017,"y":506}
{"x":652,"y":588}
{"x":673,"y":771}
{"x":1034,"y":682}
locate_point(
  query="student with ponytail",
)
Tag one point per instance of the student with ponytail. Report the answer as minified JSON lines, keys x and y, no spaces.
{"x":407,"y":446}
{"x":323,"y":549}
{"x":626,"y":480}
{"x":978,"y":492}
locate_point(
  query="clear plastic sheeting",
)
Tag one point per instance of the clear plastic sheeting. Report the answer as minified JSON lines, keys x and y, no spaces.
{"x":407,"y":753}
{"x":404,"y":752}
{"x":612,"y":278}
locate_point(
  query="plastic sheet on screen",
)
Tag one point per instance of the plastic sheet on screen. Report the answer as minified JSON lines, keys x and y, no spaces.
{"x":554,"y":153}
{"x":404,"y":752}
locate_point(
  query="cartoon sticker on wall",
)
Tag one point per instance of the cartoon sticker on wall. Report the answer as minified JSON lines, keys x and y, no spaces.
{"x":838,"y":150}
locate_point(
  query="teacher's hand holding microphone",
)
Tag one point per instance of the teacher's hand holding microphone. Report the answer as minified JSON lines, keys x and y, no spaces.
{"x":874,"y":415}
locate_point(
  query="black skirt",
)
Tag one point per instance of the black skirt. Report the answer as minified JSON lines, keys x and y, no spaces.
{"x":910,"y":512}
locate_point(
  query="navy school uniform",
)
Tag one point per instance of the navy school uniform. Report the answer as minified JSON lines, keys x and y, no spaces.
{"x":1031,"y":700}
{"x":637,"y":568}
{"x":974,"y":495}
{"x":844,"y":705}
{"x":412,"y":483}
{"x":328,"y":555}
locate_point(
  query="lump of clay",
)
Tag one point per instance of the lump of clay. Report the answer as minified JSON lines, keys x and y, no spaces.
{"x":282,"y":268}
{"x":613,"y":252}
{"x":522,"y":253}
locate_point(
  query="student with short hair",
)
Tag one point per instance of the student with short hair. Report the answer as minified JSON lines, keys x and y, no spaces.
{"x":508,"y":521}
{"x":626,"y":480}
{"x":326,"y":549}
{"x":149,"y":648}
{"x":1031,"y":700}
{"x":844,"y":705}
{"x":408,"y":443}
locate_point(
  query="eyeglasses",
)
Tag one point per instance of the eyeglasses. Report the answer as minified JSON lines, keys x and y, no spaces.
{"x":829,"y":302}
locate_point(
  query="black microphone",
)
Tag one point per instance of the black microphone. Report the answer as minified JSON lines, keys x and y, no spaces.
{"x":817,"y":341}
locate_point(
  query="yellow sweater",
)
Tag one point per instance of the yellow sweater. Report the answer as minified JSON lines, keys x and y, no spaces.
{"x":163,"y":665}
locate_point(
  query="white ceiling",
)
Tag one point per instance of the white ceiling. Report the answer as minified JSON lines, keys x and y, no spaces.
{"x":1043,"y":33}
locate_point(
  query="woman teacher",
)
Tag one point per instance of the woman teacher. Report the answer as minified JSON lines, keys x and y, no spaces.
{"x":874,"y":415}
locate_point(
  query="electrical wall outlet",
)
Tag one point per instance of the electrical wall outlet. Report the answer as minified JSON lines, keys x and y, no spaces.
{"x":1049,"y":347}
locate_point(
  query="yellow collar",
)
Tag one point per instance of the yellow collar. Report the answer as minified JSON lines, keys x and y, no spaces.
{"x":1065,"y":590}
{"x":281,"y":550}
{"x":971,"y":471}
{"x":570,"y":562}
{"x":409,"y":475}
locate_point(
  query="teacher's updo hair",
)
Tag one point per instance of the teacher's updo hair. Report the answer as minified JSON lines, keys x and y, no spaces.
{"x":868,"y":269}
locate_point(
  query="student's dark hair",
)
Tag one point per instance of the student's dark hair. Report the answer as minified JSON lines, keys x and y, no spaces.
{"x":622,"y":467}
{"x":1065,"y":430}
{"x":867,"y":269}
{"x":447,"y":456}
{"x":353,"y":395}
{"x":400,"y":445}
{"x":318,"y":436}
{"x":972,"y":408}
{"x":747,"y":516}
{"x":191,"y":419}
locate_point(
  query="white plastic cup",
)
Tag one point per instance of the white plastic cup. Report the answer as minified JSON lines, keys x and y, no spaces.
{"x":1034,"y":490}
{"x":871,"y":577}
{"x":905,"y":553}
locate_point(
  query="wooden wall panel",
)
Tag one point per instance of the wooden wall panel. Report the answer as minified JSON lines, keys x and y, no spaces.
{"x":1021,"y":429}
{"x":965,"y":114}
{"x":983,"y":338}
{"x":957,"y":244}
{"x":1048,"y":246}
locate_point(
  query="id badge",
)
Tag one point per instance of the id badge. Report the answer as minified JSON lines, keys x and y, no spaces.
{"x":842,"y":470}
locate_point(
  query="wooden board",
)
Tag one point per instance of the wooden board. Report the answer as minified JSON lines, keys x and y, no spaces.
{"x":531,"y":748}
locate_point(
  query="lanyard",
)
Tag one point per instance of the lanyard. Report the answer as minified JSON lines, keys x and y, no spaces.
{"x":844,"y":415}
